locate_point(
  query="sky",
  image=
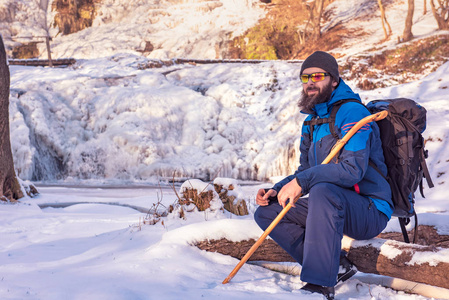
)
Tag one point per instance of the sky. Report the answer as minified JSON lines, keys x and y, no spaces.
{"x":106,"y":134}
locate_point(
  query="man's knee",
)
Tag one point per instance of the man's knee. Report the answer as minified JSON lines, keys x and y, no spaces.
{"x":265,"y":215}
{"x":322,"y":189}
{"x":325,"y":192}
{"x":261,"y":212}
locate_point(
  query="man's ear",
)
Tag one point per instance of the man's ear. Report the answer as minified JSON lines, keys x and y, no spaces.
{"x":334,"y":83}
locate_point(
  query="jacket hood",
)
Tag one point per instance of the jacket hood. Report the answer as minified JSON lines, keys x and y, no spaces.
{"x":342,"y":92}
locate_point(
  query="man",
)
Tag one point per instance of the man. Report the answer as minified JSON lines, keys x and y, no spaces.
{"x":347,"y":196}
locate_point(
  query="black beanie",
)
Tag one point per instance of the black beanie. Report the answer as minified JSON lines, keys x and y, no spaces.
{"x":322,"y":60}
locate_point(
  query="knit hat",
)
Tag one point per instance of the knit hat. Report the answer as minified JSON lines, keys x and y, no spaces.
{"x":322,"y":60}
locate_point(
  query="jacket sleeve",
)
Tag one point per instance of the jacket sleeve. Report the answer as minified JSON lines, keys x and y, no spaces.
{"x":303,"y":158}
{"x":353,"y":159}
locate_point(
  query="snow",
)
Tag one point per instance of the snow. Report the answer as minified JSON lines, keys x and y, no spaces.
{"x":102,"y":140}
{"x":98,"y":251}
{"x":365,"y":15}
{"x":195,"y":121}
{"x":189,"y":28}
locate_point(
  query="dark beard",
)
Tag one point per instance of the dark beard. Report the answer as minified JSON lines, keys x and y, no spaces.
{"x":306,"y":103}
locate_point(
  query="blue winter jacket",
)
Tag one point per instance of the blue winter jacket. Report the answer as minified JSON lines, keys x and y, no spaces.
{"x":352,"y":166}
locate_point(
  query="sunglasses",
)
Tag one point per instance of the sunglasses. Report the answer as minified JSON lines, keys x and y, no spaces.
{"x":314,"y":76}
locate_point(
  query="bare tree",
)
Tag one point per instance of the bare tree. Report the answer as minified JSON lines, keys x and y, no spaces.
{"x":441,"y":13}
{"x":315,"y":9}
{"x":408,"y":35}
{"x":315,"y":16}
{"x":383,"y":17}
{"x":425,"y":7}
{"x":10,"y":188}
{"x":44,"y":6}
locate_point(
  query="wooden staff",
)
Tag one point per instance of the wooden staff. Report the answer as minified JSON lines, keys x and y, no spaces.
{"x":336,"y":149}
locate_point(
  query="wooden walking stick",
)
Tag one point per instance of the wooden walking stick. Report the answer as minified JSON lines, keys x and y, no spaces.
{"x":337,"y":147}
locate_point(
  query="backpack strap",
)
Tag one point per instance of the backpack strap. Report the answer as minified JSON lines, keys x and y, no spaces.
{"x":426,"y":174}
{"x":333,"y":114}
{"x":331,"y":119}
{"x":315,"y":121}
{"x":405,"y":221}
{"x":425,"y":169}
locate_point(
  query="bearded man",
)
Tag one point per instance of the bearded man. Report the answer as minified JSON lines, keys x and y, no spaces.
{"x":347,"y":196}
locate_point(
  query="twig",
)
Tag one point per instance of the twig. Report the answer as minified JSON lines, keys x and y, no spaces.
{"x":174,"y":189}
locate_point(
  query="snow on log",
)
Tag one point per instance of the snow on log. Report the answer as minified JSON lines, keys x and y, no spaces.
{"x":424,"y":264}
{"x":417,"y":263}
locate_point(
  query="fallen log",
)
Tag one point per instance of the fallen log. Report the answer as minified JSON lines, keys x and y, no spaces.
{"x":268,"y":251}
{"x":424,"y":264}
{"x":418,"y":263}
{"x":42,"y":62}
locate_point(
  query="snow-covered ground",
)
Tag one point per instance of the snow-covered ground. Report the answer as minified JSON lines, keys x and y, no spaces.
{"x":192,"y":28}
{"x":188,"y":28}
{"x":98,"y":251}
{"x":108,"y":122}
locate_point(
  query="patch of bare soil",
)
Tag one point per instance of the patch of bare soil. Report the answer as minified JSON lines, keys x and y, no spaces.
{"x":403,"y":64}
{"x":275,"y":36}
{"x":280,"y":34}
{"x":331,"y":39}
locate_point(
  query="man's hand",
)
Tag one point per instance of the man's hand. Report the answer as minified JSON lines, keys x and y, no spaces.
{"x":262,"y":197}
{"x":291,"y":191}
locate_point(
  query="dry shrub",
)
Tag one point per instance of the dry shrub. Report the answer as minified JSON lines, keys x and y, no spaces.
{"x":200,"y":200}
{"x":275,"y":36}
{"x":238,"y":207}
{"x":25,"y":51}
{"x":73,"y":16}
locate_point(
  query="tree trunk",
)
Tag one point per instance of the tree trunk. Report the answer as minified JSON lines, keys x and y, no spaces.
{"x":425,"y":7}
{"x":368,"y":256}
{"x":383,"y":17}
{"x":10,"y":188}
{"x":441,"y":14}
{"x":268,"y":251}
{"x":408,"y":35}
{"x":317,"y":12}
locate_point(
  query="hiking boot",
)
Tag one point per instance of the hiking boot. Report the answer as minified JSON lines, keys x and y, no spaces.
{"x":346,"y":270}
{"x":326,"y":291}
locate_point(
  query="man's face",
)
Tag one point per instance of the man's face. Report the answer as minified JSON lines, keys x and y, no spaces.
{"x":316,"y":92}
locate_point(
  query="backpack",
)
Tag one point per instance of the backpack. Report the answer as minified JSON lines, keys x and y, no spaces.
{"x":403,"y":147}
{"x":404,"y":153}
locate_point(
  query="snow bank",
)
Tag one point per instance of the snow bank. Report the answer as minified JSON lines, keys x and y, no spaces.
{"x":192,"y":28}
